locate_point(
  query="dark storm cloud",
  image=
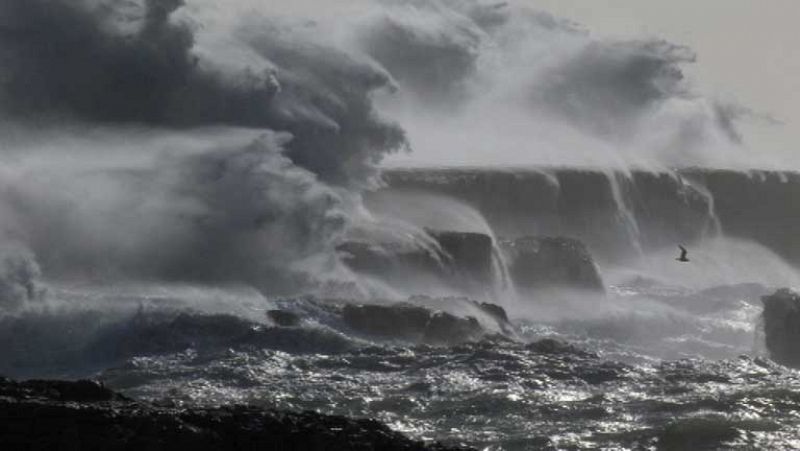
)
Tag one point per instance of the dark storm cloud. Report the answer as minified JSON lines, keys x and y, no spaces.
{"x":60,"y":58}
{"x":254,"y":212}
{"x":68,"y":58}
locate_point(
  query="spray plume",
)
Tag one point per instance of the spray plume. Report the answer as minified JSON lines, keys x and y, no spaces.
{"x":147,"y":140}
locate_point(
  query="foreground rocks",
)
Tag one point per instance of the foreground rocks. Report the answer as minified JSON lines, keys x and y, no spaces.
{"x":83,"y":415}
{"x":782,"y":326}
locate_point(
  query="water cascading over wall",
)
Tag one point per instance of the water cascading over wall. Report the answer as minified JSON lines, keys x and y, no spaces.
{"x":621,"y":214}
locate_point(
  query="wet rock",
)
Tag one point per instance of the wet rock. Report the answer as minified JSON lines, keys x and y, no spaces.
{"x":709,"y":432}
{"x":463,"y":260}
{"x":543,"y":262}
{"x":697,"y":433}
{"x":77,"y":391}
{"x":444,"y":328}
{"x":411,"y":323}
{"x":400,"y":321}
{"x":469,"y":254}
{"x":284,"y":318}
{"x":782,"y":326}
{"x":460,"y":304}
{"x":583,"y":203}
{"x":495,"y":311}
{"x":383,"y":259}
{"x":37,"y":415}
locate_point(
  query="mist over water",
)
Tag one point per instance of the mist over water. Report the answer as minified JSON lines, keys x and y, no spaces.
{"x":153,"y":192}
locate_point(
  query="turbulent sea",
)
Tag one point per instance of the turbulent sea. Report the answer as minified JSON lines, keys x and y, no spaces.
{"x":661,"y":355}
{"x":684,"y":372}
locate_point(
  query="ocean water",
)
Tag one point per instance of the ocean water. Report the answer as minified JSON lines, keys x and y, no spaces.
{"x":655,"y":367}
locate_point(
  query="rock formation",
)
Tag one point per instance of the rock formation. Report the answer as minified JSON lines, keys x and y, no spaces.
{"x":543,"y":262}
{"x":469,"y":254}
{"x":411,"y":323}
{"x":464,"y":260}
{"x":782,"y":326}
{"x":425,"y":324}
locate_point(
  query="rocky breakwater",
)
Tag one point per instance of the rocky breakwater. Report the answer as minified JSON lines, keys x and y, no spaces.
{"x":83,"y":415}
{"x":782,"y":326}
{"x":546,"y":262}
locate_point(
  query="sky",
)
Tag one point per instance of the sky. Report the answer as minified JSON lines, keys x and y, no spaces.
{"x":747,"y":50}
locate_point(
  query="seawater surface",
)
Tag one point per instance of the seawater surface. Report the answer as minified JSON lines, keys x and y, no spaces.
{"x":654,"y":368}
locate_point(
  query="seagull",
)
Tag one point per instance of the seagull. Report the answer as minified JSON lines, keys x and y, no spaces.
{"x":682,"y":258}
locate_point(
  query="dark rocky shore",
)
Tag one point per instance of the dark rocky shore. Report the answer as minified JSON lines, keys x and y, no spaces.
{"x":84,"y":415}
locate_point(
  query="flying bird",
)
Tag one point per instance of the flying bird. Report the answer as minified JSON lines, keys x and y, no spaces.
{"x":682,"y":258}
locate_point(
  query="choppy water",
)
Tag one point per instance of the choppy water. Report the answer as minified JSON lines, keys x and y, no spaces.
{"x":655,"y":367}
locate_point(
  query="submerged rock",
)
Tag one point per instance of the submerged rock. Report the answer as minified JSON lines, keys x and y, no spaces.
{"x":782,"y":326}
{"x":85,"y":415}
{"x":543,"y":262}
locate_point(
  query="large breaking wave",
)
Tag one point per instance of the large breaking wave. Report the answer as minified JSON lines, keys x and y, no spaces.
{"x":135,"y":153}
{"x":163,"y":140}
